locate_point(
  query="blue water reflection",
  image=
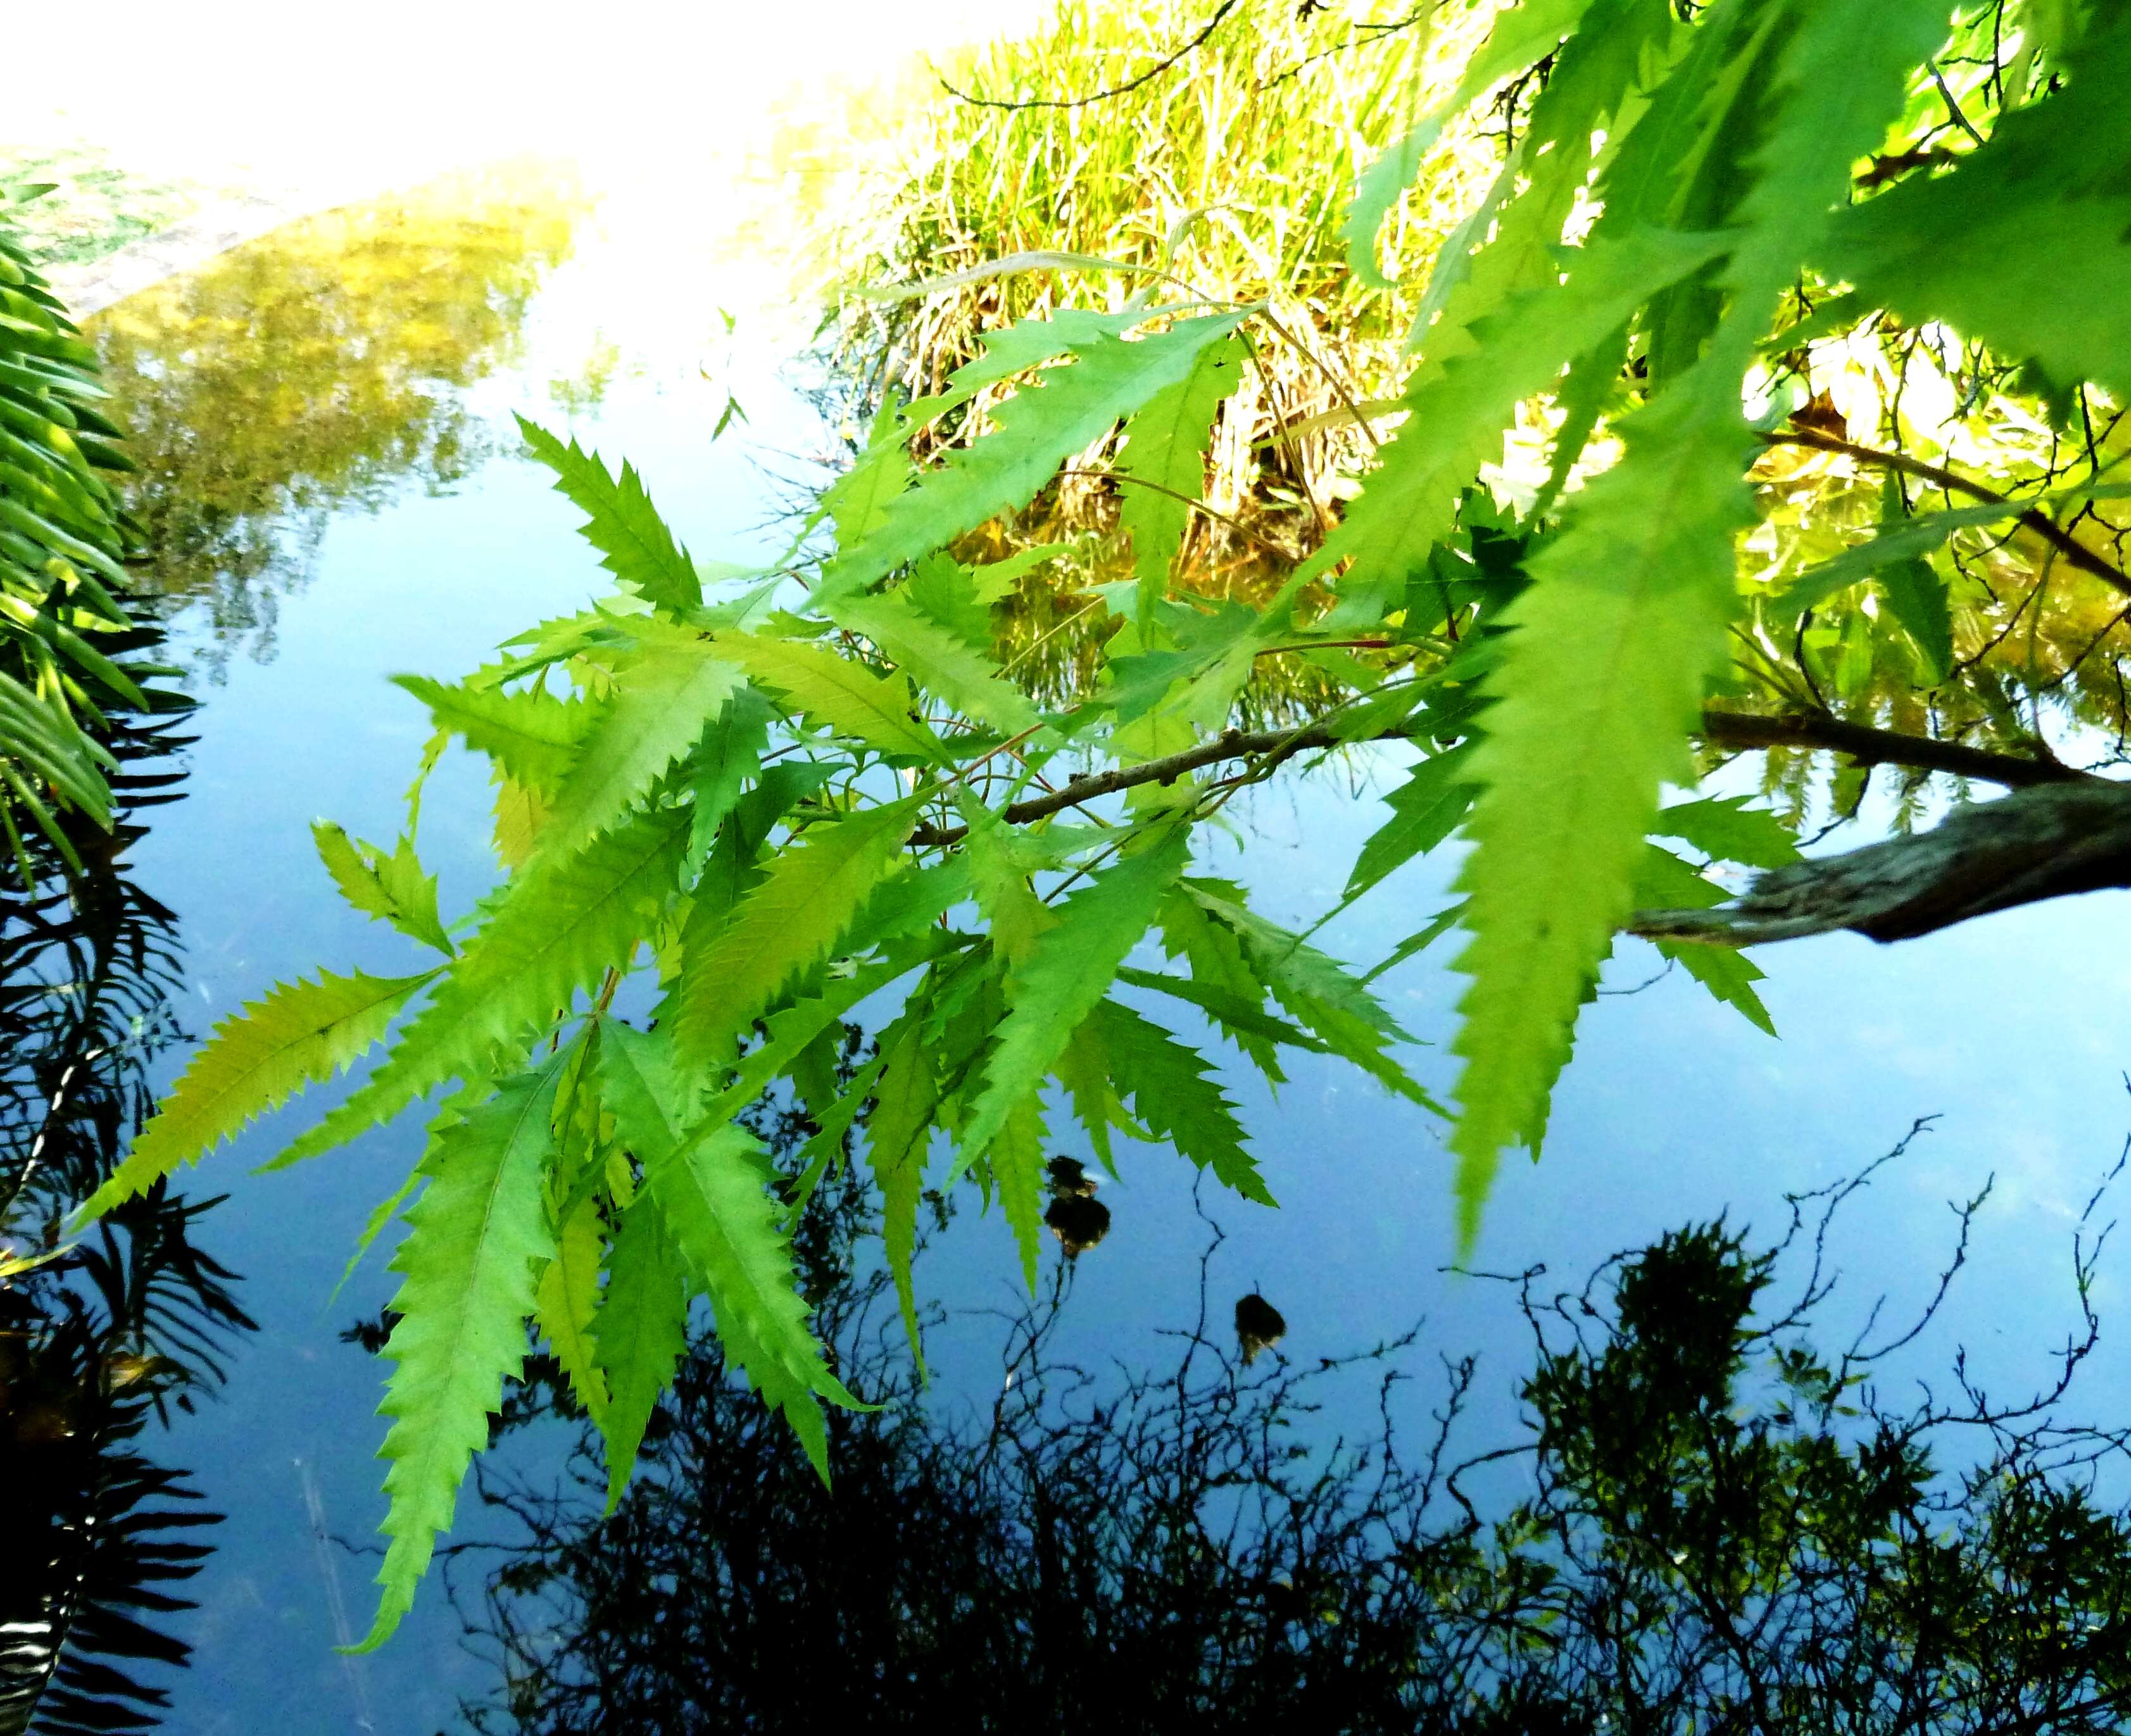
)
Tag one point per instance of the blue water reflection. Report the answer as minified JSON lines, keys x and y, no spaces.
{"x":2009,"y":1030}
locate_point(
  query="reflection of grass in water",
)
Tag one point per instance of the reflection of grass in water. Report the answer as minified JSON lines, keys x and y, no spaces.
{"x":319,"y":368}
{"x":95,"y":207}
{"x":1051,"y":631}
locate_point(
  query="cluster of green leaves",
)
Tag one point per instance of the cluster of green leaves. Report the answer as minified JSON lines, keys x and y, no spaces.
{"x":821,"y":783}
{"x":62,"y":538}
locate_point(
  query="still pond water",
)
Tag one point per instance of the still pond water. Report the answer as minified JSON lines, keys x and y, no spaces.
{"x":337,"y":492}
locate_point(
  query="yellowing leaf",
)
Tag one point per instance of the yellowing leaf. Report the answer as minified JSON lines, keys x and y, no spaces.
{"x":567,"y":1301}
{"x":838,"y":691}
{"x":300,"y":1033}
{"x":664,"y":696}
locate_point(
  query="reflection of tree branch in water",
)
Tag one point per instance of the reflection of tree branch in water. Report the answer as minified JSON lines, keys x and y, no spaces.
{"x":101,"y":1337}
{"x":1701,"y":1525}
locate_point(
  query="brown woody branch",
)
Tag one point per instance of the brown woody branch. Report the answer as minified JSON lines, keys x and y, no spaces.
{"x":1869,"y":746}
{"x":2074,"y":552}
{"x":1148,"y":76}
{"x":1740,"y":730}
{"x":2049,"y":841}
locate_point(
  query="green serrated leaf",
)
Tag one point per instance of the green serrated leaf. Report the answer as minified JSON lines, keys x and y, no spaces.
{"x":2025,"y":243}
{"x":1420,"y":940}
{"x":532,"y":737}
{"x":806,"y":900}
{"x":1238,"y":1016}
{"x":1663,"y":882}
{"x":898,"y":1136}
{"x":729,"y":754}
{"x":948,"y":594}
{"x":1068,"y":969}
{"x":1166,"y":450}
{"x":838,"y":691}
{"x":939,"y":661}
{"x":298,"y":1035}
{"x":714,"y":1195}
{"x":1034,"y":432}
{"x":1015,"y":1158}
{"x":1729,"y":975}
{"x":1916,"y":595}
{"x":1522,"y":35}
{"x":622,"y":523}
{"x":467,"y":1265}
{"x":1460,"y":405}
{"x":1175,"y":1096}
{"x":558,"y":929}
{"x":1598,"y":689}
{"x":1315,"y":990}
{"x":1726,"y":830}
{"x":392,"y":888}
{"x":857,"y":502}
{"x":662,"y":701}
{"x":1425,"y":810}
{"x":643,"y":1332}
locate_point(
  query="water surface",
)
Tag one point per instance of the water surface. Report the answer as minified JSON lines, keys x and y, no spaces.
{"x":332,"y":464}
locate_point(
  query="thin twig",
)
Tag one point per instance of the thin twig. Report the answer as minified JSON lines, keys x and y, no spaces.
{"x":1196,"y":505}
{"x":1952,"y":108}
{"x":2066,"y":544}
{"x":1147,"y":77}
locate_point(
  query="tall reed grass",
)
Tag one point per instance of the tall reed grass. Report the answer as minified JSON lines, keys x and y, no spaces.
{"x":1231,"y":171}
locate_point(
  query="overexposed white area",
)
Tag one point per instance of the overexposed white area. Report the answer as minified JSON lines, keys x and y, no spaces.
{"x":340,"y":101}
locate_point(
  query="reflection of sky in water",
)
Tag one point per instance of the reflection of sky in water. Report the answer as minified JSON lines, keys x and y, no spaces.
{"x":1673,"y":1108}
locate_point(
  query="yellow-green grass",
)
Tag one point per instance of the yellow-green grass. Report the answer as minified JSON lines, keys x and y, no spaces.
{"x":1230,"y":171}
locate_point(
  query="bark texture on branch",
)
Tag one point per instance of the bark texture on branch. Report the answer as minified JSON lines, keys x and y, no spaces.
{"x":2048,"y":841}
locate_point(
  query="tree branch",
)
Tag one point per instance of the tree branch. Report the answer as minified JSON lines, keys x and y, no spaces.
{"x":1749,"y":729}
{"x":1740,"y":730}
{"x":2074,"y":551}
{"x":2035,"y":844}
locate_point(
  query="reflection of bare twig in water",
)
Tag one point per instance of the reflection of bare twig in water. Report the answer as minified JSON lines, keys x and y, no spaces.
{"x":1702,"y":1524}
